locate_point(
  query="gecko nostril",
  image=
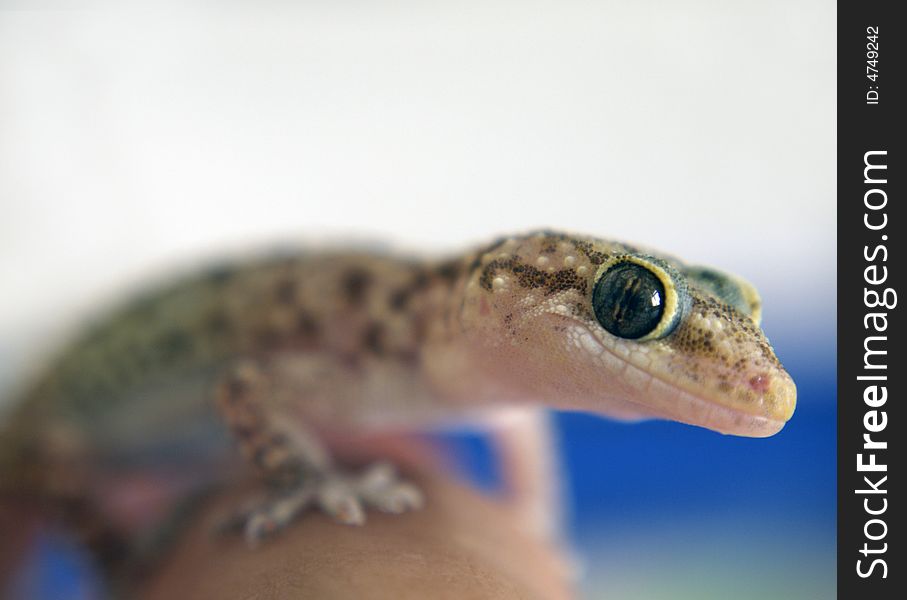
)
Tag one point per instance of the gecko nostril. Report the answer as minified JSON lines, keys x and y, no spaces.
{"x":759,"y":383}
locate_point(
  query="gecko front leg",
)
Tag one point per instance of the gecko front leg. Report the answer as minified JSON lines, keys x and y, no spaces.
{"x":297,"y":464}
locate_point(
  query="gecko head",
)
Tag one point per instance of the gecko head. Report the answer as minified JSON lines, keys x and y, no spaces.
{"x":610,"y":329}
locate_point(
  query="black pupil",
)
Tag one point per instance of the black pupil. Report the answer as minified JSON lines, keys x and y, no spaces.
{"x":628,"y":300}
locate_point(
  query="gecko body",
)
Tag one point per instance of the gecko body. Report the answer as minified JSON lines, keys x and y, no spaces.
{"x":279,"y":352}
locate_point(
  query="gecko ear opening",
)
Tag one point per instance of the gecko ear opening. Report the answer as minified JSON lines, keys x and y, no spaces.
{"x":730,"y":290}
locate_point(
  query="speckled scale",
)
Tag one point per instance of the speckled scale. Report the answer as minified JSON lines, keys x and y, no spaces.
{"x":367,"y":337}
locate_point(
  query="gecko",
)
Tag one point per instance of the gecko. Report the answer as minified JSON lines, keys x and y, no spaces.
{"x":266,"y":358}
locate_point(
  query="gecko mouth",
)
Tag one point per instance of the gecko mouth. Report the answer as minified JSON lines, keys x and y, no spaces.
{"x":758,"y":407}
{"x":666,"y":400}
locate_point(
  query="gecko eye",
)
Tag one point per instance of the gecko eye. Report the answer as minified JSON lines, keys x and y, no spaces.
{"x":630,"y":301}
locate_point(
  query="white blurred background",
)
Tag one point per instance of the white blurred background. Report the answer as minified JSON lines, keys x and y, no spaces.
{"x":133,"y":139}
{"x":138,"y":139}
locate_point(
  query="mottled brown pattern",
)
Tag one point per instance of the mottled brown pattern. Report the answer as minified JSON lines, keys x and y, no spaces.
{"x":373,"y":341}
{"x":487,"y":250}
{"x":449,"y":271}
{"x":369,"y":331}
{"x":355,"y":283}
{"x":703,"y":343}
{"x":594,"y":256}
{"x":529,"y":276}
{"x":307,"y":325}
{"x":399,"y":299}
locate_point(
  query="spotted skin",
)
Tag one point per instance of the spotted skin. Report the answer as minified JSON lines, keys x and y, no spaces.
{"x":347,"y":341}
{"x":715,"y":369}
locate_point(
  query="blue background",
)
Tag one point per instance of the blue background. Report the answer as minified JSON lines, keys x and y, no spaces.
{"x":661,"y":510}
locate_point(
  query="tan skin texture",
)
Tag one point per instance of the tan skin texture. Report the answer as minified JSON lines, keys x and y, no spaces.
{"x":460,"y":546}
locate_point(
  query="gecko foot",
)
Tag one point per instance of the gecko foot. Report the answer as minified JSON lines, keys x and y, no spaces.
{"x":341,"y":495}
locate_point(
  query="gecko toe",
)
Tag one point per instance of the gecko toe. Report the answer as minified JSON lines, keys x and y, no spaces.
{"x":341,"y":496}
{"x":382,"y":488}
{"x":339,"y":499}
{"x":398,"y":498}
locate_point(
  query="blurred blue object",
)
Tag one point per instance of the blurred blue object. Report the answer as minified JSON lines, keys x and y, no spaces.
{"x":55,"y":569}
